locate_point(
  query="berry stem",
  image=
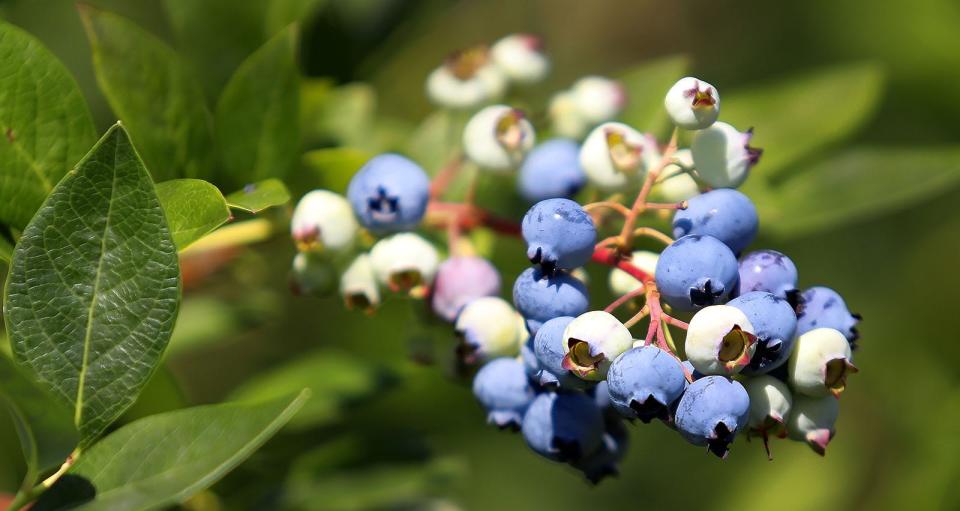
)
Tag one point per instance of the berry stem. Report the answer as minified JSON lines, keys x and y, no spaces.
{"x":613,"y":258}
{"x":644,"y":312}
{"x":640,"y":203}
{"x":446,"y":175}
{"x":616,"y":206}
{"x":468,"y":217}
{"x":650,"y":232}
{"x":625,"y":298}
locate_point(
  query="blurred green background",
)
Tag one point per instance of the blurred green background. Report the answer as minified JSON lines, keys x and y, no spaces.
{"x":386,"y":430}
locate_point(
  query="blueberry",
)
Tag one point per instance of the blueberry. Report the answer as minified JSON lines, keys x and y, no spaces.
{"x":548,"y":348}
{"x":541,"y":297}
{"x":770,"y":271}
{"x":822,"y":307}
{"x":389,"y":194}
{"x":529,"y":358}
{"x":563,"y":426}
{"x":604,"y":461}
{"x":725,"y":214}
{"x":696,"y":271}
{"x":774,"y":324}
{"x":502,"y":387}
{"x":712,"y":411}
{"x":460,"y":280}
{"x":644,"y":382}
{"x":559,"y":234}
{"x":551,"y":170}
{"x":692,"y":371}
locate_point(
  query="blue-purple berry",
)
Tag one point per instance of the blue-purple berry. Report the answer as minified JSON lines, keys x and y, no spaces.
{"x":644,"y":382}
{"x":822,"y":307}
{"x":548,"y":348}
{"x":711,"y":412}
{"x":551,"y":170}
{"x":770,"y":271}
{"x":540,"y":297}
{"x":696,"y":271}
{"x":559,"y":234}
{"x":774,"y":323}
{"x":725,"y":214}
{"x":389,"y":194}
{"x":502,"y":387}
{"x":563,"y":426}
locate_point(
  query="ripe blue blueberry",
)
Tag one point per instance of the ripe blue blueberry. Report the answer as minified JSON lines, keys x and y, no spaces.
{"x":548,"y":348}
{"x":643,"y":383}
{"x":725,"y":214}
{"x":541,"y":297}
{"x":389,"y":194}
{"x":696,"y":271}
{"x":563,"y":426}
{"x":551,"y":170}
{"x":502,"y":387}
{"x":822,"y":307}
{"x":613,"y":447}
{"x":529,"y":358}
{"x":559,"y":234}
{"x":774,"y":323}
{"x":712,"y":411}
{"x":460,"y":280}
{"x":770,"y":271}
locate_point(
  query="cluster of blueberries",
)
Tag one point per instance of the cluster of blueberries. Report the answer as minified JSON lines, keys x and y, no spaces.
{"x":759,"y":356}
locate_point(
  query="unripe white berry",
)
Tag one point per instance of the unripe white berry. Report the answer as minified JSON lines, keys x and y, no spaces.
{"x":720,"y":340}
{"x":358,"y":285}
{"x":692,"y":104}
{"x":404,"y":261}
{"x":489,"y":327}
{"x":820,"y":363}
{"x":622,"y":282}
{"x":679,"y":186}
{"x":723,"y":156}
{"x":466,"y":80}
{"x":615,"y":155}
{"x":498,"y":137}
{"x":591,"y":342}
{"x":323,"y":220}
{"x":598,"y":99}
{"x":770,"y":402}
{"x":565,"y":117}
{"x":812,"y":420}
{"x":520,"y":58}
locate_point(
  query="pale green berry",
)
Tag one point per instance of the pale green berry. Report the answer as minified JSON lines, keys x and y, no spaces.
{"x":622,"y":282}
{"x":720,"y":340}
{"x":489,"y":327}
{"x":565,"y":118}
{"x":323,"y":220}
{"x":820,"y":363}
{"x":358,"y":285}
{"x":770,"y":402}
{"x":497,"y":138}
{"x":404,"y":262}
{"x":591,"y":342}
{"x":615,"y":155}
{"x":692,"y":104}
{"x":812,"y":420}
{"x":598,"y":99}
{"x":466,"y":80}
{"x":723,"y":156}
{"x":520,"y":58}
{"x":679,"y":186}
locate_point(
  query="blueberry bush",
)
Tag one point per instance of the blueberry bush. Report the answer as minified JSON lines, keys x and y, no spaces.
{"x":257,"y":288}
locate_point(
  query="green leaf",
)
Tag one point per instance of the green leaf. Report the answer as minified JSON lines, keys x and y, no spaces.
{"x":257,"y":197}
{"x":94,"y":284}
{"x":281,"y":13}
{"x":857,"y":185}
{"x":193,"y":207}
{"x":437,"y":139}
{"x":44,"y":425}
{"x":646,"y":84}
{"x":44,"y":121}
{"x":161,"y":394}
{"x":801,"y":115}
{"x":257,"y":116}
{"x":334,"y":379}
{"x":203,"y":321}
{"x":154,"y":93}
{"x":333,"y":168}
{"x":6,"y":249}
{"x":344,"y":114}
{"x":163,"y":459}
